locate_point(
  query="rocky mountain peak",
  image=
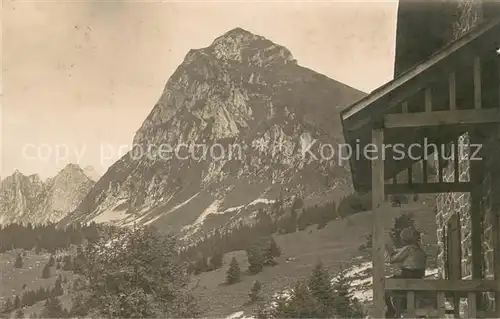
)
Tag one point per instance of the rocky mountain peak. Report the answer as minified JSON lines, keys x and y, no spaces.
{"x":17,"y":175}
{"x":71,"y":167}
{"x":28,"y":199}
{"x":241,"y":93}
{"x":91,"y":173}
{"x":245,"y":47}
{"x":71,"y":174}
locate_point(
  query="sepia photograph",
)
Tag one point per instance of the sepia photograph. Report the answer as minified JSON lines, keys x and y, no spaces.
{"x":249,"y":159}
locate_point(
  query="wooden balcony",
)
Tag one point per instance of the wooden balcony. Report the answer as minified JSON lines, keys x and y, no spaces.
{"x":418,"y":289}
{"x":456,"y":91}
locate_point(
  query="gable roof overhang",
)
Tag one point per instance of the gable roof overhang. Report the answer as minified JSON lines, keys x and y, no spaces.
{"x":359,"y":119}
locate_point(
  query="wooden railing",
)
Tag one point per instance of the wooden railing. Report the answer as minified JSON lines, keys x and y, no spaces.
{"x":465,"y":288}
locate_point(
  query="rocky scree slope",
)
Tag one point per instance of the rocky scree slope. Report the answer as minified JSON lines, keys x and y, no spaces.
{"x":249,"y":96}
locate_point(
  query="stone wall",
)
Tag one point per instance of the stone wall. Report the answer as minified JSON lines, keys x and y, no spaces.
{"x":459,"y":203}
{"x":471,"y":14}
{"x":467,"y":17}
{"x":455,"y":203}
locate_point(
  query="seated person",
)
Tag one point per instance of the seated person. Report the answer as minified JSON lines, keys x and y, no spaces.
{"x":413,"y":262}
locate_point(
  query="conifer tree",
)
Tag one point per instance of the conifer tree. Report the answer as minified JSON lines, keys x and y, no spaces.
{"x":255,"y":259}
{"x":303,"y":220}
{"x":19,"y":314}
{"x":19,"y":261}
{"x":46,"y":271}
{"x":301,"y":304}
{"x":17,"y":302}
{"x":58,"y":289}
{"x":344,"y":304}
{"x":271,"y":251}
{"x":216,"y":260}
{"x":52,"y":308}
{"x":234,"y":272}
{"x":320,"y":285}
{"x":78,"y":308}
{"x":8,"y":306}
{"x":255,"y":291}
{"x":291,"y":225}
{"x":67,"y":263}
{"x":51,"y":260}
{"x":79,"y":262}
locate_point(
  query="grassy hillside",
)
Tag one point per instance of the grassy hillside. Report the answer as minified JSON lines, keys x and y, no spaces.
{"x":12,"y":279}
{"x":336,"y":245}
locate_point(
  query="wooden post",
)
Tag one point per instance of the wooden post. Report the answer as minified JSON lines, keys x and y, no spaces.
{"x":453,"y":91}
{"x":410,"y":304}
{"x":409,"y":171}
{"x":496,"y":232}
{"x":378,"y":245}
{"x":498,"y":84}
{"x":471,"y":301}
{"x":428,"y":99}
{"x":496,"y":257}
{"x":425,"y":164}
{"x":441,"y":304}
{"x":477,"y":83}
{"x":440,"y":163}
{"x":456,"y":160}
{"x":476,"y":177}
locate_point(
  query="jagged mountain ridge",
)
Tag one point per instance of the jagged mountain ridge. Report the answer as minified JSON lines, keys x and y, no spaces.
{"x":27,"y":199}
{"x":241,"y":90}
{"x":91,"y":173}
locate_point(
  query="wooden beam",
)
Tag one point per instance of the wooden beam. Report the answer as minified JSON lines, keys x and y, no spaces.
{"x":428,"y":188}
{"x":378,"y":250}
{"x":440,"y":59}
{"x":437,"y":118}
{"x":477,"y":82}
{"x":472,"y":285}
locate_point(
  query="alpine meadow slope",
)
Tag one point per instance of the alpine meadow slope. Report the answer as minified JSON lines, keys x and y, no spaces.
{"x":249,"y":97}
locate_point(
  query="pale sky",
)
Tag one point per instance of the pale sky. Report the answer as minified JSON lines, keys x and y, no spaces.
{"x":85,"y":74}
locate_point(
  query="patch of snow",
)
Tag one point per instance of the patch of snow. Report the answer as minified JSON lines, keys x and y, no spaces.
{"x":239,"y":315}
{"x":211,"y":209}
{"x":261,"y":200}
{"x":232,"y":209}
{"x":364,"y":295}
{"x":110,"y":216}
{"x":356,"y":270}
{"x":431,"y":272}
{"x":360,"y":282}
{"x":176,"y":207}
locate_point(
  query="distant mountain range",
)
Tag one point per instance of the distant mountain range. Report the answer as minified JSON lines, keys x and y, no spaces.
{"x":241,"y":90}
{"x":27,"y":199}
